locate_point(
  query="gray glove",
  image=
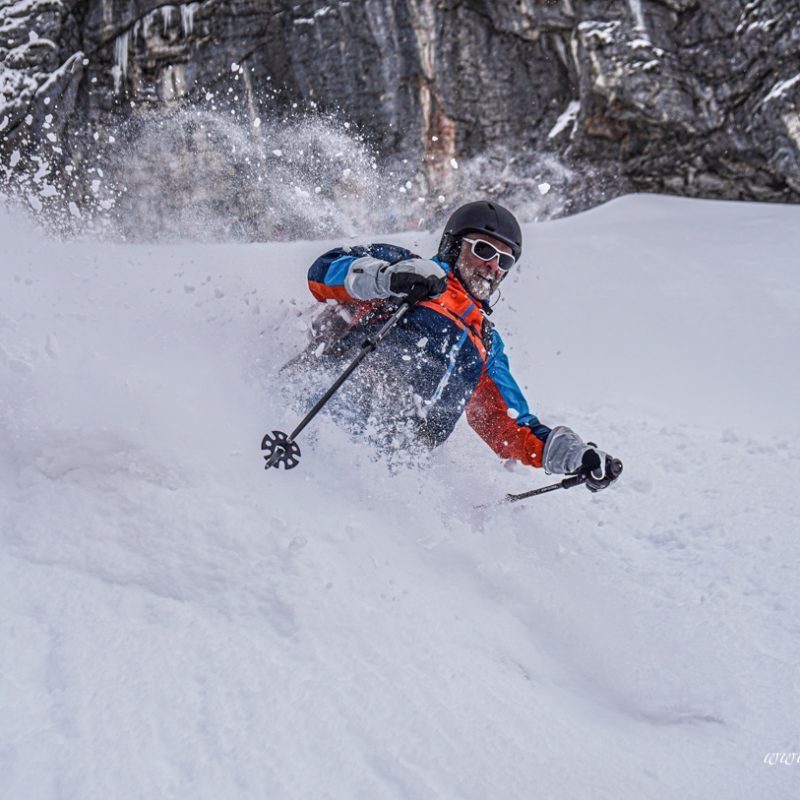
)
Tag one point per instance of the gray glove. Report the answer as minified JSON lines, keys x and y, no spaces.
{"x":565,"y":453}
{"x":371,"y":279}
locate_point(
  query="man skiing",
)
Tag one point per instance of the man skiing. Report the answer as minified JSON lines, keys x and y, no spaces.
{"x":445,"y":357}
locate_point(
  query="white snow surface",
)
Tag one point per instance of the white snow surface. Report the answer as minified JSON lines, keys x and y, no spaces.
{"x":177,"y":622}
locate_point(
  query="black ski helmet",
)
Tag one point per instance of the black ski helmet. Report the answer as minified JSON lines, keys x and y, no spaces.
{"x":482,"y":216}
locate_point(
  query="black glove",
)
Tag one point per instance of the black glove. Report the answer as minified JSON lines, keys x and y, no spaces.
{"x":601,"y":469}
{"x":415,"y":279}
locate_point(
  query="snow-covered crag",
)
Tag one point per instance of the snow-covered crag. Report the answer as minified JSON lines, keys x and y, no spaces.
{"x":41,"y":66}
{"x":697,"y":100}
{"x":664,"y":95}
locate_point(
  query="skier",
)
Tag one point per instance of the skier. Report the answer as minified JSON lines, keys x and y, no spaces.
{"x":445,"y":357}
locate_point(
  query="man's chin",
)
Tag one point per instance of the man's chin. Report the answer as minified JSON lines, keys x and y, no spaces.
{"x":480,"y":290}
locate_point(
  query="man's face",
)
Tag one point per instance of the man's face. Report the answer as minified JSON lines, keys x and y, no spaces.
{"x":480,"y":278}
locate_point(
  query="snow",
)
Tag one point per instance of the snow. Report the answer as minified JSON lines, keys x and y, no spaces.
{"x":320,"y":12}
{"x":601,"y":33}
{"x":755,"y":17}
{"x":16,"y":88}
{"x":567,"y":118}
{"x":44,"y":83}
{"x":24,"y":53}
{"x":781,"y":88}
{"x":17,"y":12}
{"x":177,"y":622}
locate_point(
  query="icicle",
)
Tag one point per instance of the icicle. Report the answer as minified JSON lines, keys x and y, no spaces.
{"x":187,"y":17}
{"x":147,"y":22}
{"x":166,"y":16}
{"x":120,"y":69}
{"x":638,"y":14}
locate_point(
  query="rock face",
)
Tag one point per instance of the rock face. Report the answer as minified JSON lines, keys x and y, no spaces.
{"x":590,"y":97}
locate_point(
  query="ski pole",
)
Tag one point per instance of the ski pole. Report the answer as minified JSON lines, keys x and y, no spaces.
{"x":567,"y":483}
{"x":282,"y":449}
{"x":614,"y":467}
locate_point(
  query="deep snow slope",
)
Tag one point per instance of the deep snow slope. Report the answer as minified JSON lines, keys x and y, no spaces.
{"x":175,"y":622}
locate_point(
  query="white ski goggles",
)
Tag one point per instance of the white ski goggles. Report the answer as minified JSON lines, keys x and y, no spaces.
{"x":486,"y":251}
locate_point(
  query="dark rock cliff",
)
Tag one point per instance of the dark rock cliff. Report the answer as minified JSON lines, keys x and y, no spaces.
{"x":128,"y":105}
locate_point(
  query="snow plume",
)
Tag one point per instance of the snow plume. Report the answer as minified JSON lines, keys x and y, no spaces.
{"x":206,"y":175}
{"x":203,"y":175}
{"x":536,"y":186}
{"x":200,"y":175}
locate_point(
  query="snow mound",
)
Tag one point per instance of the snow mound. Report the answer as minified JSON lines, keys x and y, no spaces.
{"x":177,"y":622}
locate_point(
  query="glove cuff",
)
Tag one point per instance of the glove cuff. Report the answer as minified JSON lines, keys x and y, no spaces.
{"x":563,"y":451}
{"x":367,"y":279}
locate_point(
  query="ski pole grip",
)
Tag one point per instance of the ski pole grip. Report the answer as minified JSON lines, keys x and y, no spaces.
{"x":418,"y":292}
{"x":575,"y":480}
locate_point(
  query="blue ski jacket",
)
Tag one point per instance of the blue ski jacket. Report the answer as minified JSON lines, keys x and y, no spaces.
{"x":465,"y":366}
